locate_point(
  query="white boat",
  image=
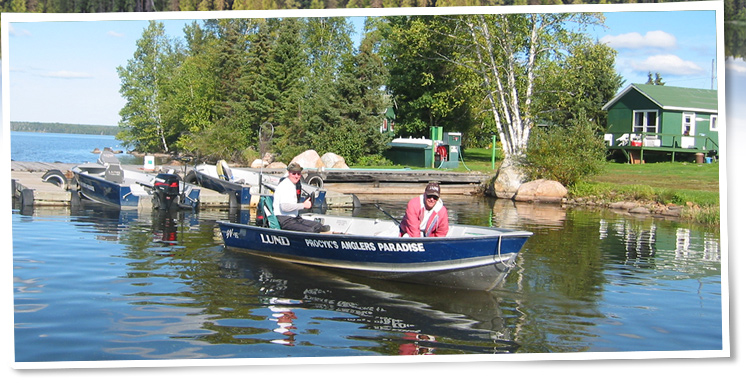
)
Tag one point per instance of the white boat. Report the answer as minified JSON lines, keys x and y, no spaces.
{"x":242,"y":183}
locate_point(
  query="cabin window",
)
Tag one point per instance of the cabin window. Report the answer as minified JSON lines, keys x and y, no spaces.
{"x":714,"y":123}
{"x":687,"y":124}
{"x":645,"y":121}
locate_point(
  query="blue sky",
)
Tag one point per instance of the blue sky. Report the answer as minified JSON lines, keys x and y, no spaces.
{"x":66,"y":71}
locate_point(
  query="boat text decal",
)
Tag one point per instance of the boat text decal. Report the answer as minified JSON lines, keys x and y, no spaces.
{"x":365,"y":246}
{"x":86,"y":186}
{"x":274,"y":239}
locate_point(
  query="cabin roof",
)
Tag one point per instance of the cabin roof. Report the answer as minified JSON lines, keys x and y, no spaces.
{"x":673,"y":98}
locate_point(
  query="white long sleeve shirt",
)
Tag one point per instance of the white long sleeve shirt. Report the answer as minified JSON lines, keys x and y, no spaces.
{"x":286,"y":200}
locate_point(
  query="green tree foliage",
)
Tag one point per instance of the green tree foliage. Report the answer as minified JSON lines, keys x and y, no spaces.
{"x":511,"y":67}
{"x":193,"y":107}
{"x":582,"y":82}
{"x":735,"y":40}
{"x":23,"y":126}
{"x":734,"y":10}
{"x":210,"y":95}
{"x":658,"y":80}
{"x":428,"y":90}
{"x":286,"y":76}
{"x":352,"y":117}
{"x":568,"y":154}
{"x":144,"y":86}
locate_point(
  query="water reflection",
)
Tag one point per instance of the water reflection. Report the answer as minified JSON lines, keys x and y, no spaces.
{"x":430,"y":317}
{"x":172,"y":291}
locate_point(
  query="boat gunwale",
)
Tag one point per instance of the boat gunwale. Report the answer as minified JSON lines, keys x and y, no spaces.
{"x":498,"y":232}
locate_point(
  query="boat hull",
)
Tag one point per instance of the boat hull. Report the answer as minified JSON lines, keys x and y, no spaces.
{"x":475,"y":262}
{"x":129,"y":196}
{"x":107,"y":192}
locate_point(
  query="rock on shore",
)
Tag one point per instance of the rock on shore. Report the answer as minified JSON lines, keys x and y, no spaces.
{"x":545,"y":191}
{"x":549,"y":191}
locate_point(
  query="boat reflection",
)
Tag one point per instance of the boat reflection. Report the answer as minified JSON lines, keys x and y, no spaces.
{"x":421,"y":319}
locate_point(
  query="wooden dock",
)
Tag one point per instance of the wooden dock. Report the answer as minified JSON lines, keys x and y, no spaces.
{"x":30,"y":189}
{"x":28,"y":186}
{"x":407,"y":182}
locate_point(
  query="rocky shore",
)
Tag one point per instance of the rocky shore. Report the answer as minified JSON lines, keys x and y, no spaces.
{"x":632,"y":207}
{"x":549,"y":191}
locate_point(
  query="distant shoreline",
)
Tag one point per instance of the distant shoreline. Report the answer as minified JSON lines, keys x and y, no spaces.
{"x":85,"y":129}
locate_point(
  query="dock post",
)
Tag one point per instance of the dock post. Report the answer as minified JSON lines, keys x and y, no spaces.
{"x":494,"y":141}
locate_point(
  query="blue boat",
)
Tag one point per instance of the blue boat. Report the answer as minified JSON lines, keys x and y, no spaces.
{"x":106,"y":182}
{"x":469,"y":257}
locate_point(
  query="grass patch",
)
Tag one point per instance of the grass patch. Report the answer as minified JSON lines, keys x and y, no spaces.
{"x":688,"y":176}
{"x":695,"y":187}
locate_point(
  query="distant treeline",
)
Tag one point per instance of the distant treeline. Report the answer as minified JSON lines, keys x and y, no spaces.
{"x":87,"y":6}
{"x":23,"y":126}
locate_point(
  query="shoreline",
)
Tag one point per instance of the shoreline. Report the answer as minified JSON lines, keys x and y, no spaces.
{"x":685,"y":213}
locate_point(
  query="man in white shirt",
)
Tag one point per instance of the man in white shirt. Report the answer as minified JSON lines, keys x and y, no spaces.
{"x":286,"y":205}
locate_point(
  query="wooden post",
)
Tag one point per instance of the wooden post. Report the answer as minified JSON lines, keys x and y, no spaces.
{"x":493,"y":151}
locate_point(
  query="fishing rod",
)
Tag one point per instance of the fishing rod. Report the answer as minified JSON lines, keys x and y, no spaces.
{"x":387,"y":214}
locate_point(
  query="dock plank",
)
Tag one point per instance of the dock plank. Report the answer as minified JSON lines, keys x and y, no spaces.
{"x":32,"y":190}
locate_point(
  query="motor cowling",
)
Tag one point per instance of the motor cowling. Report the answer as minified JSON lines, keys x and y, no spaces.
{"x":166,"y":190}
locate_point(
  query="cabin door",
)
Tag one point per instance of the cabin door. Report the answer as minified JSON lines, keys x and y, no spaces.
{"x":687,"y":130}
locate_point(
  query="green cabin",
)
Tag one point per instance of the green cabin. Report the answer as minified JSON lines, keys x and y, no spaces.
{"x":656,"y":121}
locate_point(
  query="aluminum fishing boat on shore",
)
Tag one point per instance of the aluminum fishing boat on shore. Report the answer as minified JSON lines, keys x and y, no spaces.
{"x":470,"y":257}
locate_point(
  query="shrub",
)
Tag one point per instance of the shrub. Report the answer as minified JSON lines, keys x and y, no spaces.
{"x":373,"y":161}
{"x":567,"y":155}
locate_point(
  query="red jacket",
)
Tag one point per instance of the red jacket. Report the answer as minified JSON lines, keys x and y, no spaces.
{"x":437,"y":224}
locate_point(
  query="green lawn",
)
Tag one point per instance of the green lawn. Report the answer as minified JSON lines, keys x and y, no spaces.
{"x":666,"y":182}
{"x":687,"y":176}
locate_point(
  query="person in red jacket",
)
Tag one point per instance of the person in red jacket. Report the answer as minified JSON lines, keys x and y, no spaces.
{"x":426,"y":216}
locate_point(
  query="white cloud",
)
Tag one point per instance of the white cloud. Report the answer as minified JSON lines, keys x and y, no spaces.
{"x":634,"y":40}
{"x":17,"y":32}
{"x":67,"y":75}
{"x":114,"y":34}
{"x":667,"y":65}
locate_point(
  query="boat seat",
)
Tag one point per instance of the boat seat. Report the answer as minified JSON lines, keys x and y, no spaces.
{"x":268,"y":218}
{"x":114,"y":173}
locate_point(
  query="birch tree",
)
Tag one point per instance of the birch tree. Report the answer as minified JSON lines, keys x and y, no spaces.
{"x":508,"y":54}
{"x":143,"y":82}
{"x":496,"y":64}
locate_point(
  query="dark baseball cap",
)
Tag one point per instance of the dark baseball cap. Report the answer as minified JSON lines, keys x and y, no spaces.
{"x":432,"y":189}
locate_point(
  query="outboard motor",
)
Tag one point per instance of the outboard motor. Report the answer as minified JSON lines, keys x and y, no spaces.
{"x":166,"y":191}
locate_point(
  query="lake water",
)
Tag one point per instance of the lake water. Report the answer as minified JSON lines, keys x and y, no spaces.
{"x":61,"y":147}
{"x":99,"y":284}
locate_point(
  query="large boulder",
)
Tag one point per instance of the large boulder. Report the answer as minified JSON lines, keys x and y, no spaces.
{"x":330,"y":160}
{"x":507,"y":182}
{"x":341,"y":165}
{"x":309,"y":159}
{"x":259,"y":163}
{"x":547,"y":191}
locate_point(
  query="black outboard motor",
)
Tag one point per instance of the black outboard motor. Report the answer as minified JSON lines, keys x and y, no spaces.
{"x":166,"y":191}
